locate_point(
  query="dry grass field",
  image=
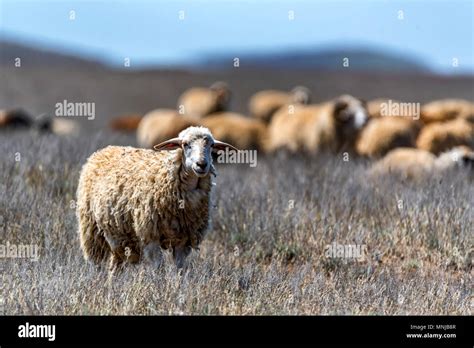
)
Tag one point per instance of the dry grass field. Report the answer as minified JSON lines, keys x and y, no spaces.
{"x":265,"y":253}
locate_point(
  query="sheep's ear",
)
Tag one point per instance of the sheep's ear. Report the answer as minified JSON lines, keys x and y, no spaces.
{"x":168,"y":144}
{"x":219,"y":145}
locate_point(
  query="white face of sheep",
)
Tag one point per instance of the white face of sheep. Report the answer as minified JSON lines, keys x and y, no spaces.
{"x":197,"y":144}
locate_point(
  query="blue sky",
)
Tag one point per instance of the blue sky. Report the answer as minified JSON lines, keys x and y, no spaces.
{"x":151,"y":32}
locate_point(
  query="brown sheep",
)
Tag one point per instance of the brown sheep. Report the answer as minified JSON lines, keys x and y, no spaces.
{"x":16,"y":118}
{"x":243,"y":132}
{"x":410,"y":163}
{"x":385,"y":133}
{"x":126,"y":123}
{"x":447,"y":109}
{"x":333,"y":125}
{"x":161,"y":124}
{"x":384,"y":107}
{"x":442,"y":136}
{"x":374,"y":107}
{"x":134,"y":203}
{"x":199,"y":102}
{"x":57,"y":125}
{"x":264,"y":104}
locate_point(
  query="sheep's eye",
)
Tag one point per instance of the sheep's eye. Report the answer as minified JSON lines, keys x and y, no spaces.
{"x":186,"y":146}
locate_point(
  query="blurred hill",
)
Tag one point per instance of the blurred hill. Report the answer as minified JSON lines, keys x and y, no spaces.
{"x":46,"y":78}
{"x":30,"y":56}
{"x":328,"y":59}
{"x":360,"y":59}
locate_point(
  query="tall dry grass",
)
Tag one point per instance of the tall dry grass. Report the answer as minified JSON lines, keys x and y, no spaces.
{"x":265,"y":253}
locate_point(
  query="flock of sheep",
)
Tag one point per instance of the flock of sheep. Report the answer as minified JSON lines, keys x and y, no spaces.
{"x":406,"y":141}
{"x":133,"y":203}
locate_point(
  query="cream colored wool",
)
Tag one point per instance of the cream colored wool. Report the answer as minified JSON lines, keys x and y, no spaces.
{"x":129,"y":199}
{"x":264,"y":104}
{"x":199,"y":101}
{"x":332,"y":126}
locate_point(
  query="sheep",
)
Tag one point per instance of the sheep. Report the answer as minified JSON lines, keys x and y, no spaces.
{"x":56,"y":125}
{"x":137,"y":202}
{"x":264,"y":104}
{"x":18,"y":118}
{"x":441,"y":136}
{"x":446,"y":110}
{"x":161,"y":124}
{"x":15,"y":118}
{"x":243,"y":132}
{"x":199,"y":102}
{"x":374,"y":107}
{"x":126,"y":123}
{"x":333,"y":126}
{"x":411,"y":163}
{"x":385,"y":133}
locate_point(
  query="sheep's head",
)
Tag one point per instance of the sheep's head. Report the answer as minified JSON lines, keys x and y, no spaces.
{"x":222,"y":91}
{"x":301,"y":95}
{"x":197,"y":144}
{"x":350,"y":113}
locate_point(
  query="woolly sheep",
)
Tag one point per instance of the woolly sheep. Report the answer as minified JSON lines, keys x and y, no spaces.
{"x":374,"y":107}
{"x":264,"y":104}
{"x":385,"y":107}
{"x":136,"y":202}
{"x":57,"y":125}
{"x":441,"y":136}
{"x":333,"y":125}
{"x":385,"y":133}
{"x":241,"y":131}
{"x":160,"y":125}
{"x":126,"y":123}
{"x":410,"y":163}
{"x":16,"y":118}
{"x":199,"y":102}
{"x":447,"y":109}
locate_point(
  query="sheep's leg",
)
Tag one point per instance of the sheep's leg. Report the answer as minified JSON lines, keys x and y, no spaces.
{"x":179,"y":254}
{"x":115,"y":263}
{"x":93,"y":243}
{"x":153,"y":253}
{"x":125,"y":252}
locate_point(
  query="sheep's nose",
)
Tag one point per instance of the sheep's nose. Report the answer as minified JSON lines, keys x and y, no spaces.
{"x":201,"y":164}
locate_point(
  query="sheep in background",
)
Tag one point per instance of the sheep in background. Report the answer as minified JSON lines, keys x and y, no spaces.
{"x":126,"y":123}
{"x":410,"y":163}
{"x":20,"y":119}
{"x":160,"y":125}
{"x":15,"y":118}
{"x":446,"y":110}
{"x":441,"y":136}
{"x":57,"y":125}
{"x":264,"y":104}
{"x":385,"y":133}
{"x":133,"y":202}
{"x":243,"y":132}
{"x":333,"y":125}
{"x":199,"y":102}
{"x":374,"y":107}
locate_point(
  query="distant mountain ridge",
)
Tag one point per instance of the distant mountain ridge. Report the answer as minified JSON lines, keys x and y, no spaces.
{"x":36,"y":57}
{"x":358,"y":59}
